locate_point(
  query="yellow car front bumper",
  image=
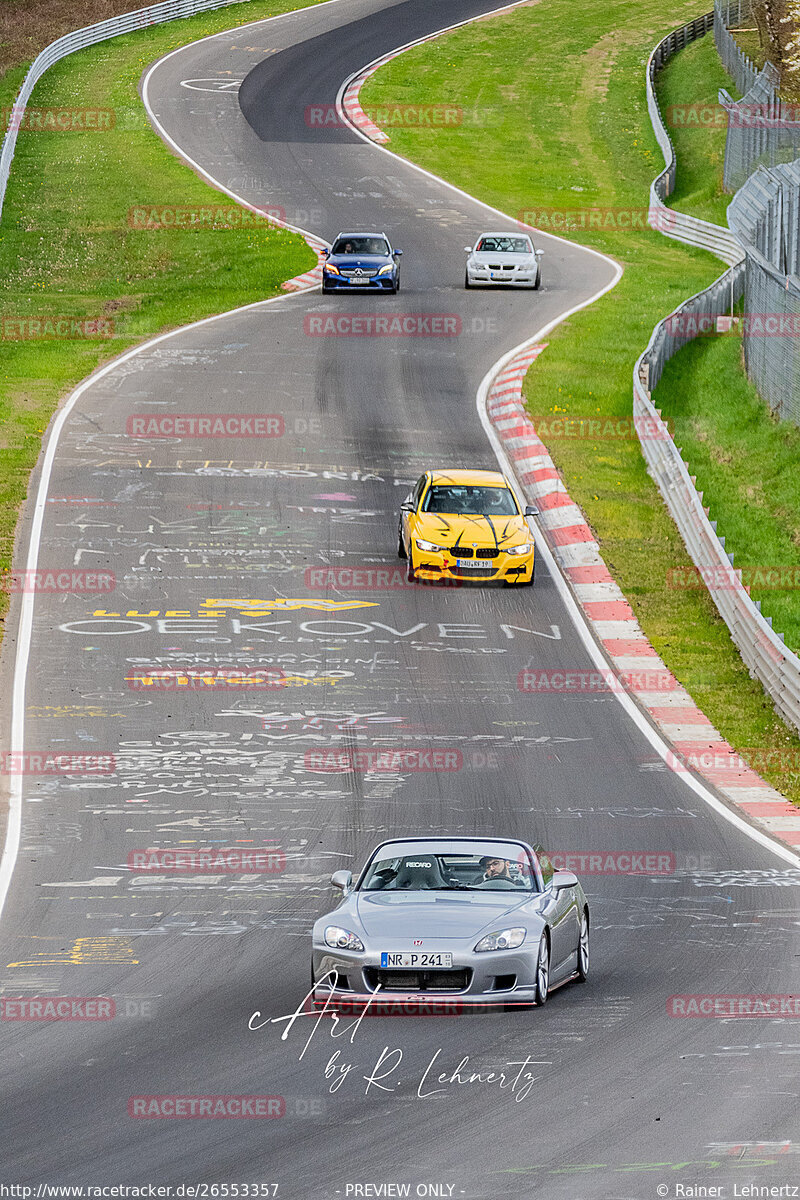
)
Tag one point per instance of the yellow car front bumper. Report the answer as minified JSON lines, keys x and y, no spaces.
{"x":442,"y":565}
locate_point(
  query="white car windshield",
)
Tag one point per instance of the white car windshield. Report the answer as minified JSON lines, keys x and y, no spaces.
{"x":504,"y":245}
{"x":504,"y":869}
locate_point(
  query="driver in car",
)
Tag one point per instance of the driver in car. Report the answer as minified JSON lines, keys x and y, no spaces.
{"x":495,"y":868}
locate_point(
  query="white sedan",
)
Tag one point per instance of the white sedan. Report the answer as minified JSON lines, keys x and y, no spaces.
{"x":507,"y":258}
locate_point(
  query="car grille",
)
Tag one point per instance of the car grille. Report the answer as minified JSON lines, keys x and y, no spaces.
{"x":499,"y":267}
{"x":476,"y":572}
{"x":419,"y":981}
{"x":468,"y":552}
{"x":364,"y":273}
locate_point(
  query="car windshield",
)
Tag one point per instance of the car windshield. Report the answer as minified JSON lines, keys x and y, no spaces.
{"x":470,"y":501}
{"x":504,"y":245}
{"x":503,"y":870}
{"x":361,"y":245}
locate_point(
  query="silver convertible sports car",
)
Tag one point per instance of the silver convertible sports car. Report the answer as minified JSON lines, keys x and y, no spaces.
{"x":483,"y":921}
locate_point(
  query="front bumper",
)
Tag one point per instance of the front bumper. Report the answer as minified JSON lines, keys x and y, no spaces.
{"x":503,"y":977}
{"x":441,"y":565}
{"x":376,"y":283}
{"x":502,"y":278}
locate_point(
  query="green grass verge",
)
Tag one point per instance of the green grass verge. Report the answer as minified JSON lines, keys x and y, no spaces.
{"x":746,"y":462}
{"x":555,"y":117}
{"x":67,"y":247}
{"x":687,"y":90}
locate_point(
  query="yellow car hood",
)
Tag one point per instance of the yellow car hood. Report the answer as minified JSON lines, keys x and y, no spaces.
{"x":452,"y":531}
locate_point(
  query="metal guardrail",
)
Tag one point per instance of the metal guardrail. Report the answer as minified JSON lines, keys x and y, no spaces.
{"x":90,"y":35}
{"x":762,"y":650}
{"x":690,"y":230}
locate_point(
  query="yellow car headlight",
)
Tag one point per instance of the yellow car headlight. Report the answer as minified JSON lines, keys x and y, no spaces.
{"x":525,"y":548}
{"x":329,"y":267}
{"x":429,"y":545}
{"x":386,"y":269}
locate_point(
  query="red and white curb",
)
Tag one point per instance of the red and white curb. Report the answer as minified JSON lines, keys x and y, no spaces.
{"x":352,"y":106}
{"x":696,"y":744}
{"x":308,"y":278}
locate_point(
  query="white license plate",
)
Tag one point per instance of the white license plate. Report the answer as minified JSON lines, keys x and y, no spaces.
{"x":470,"y":562}
{"x":359,"y":280}
{"x":416,"y":959}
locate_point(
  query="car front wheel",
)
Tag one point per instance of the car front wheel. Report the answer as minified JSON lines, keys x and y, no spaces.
{"x":543,"y":971}
{"x":583,"y":948}
{"x":538,"y":283}
{"x":467,"y":283}
{"x":401,"y":550}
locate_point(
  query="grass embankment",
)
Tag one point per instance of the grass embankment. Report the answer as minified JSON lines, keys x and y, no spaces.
{"x":556,"y":119}
{"x":67,"y":246}
{"x":747,"y":463}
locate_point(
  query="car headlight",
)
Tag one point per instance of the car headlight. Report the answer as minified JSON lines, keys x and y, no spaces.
{"x":504,"y":939}
{"x":428,"y":545}
{"x":342,"y":939}
{"x":385,"y":270}
{"x":525,"y":548}
{"x":331,"y":269}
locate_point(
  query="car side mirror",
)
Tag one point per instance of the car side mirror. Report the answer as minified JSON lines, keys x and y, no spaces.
{"x":325,"y":252}
{"x":539,"y":253}
{"x":530,"y":511}
{"x":561,"y":880}
{"x":468,"y":249}
{"x":407,"y":506}
{"x":344,"y":880}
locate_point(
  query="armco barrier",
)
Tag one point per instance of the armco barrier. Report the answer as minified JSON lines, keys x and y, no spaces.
{"x":677,"y":225}
{"x":761,"y":649}
{"x":169,"y":10}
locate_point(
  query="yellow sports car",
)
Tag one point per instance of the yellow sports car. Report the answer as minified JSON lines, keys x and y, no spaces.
{"x":466,"y":525}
